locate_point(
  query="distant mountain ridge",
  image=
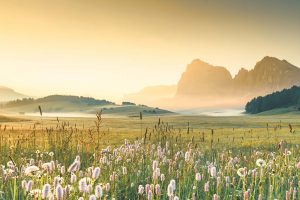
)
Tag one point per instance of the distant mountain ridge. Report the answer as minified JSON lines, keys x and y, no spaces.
{"x":8,"y":94}
{"x":205,"y":85}
{"x":204,"y":81}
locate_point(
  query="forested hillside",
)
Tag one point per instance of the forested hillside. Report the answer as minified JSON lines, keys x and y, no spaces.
{"x":281,"y":99}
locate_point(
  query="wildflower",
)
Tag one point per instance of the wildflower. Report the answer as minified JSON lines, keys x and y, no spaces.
{"x":187,"y":156}
{"x":198,"y":177}
{"x":10,"y":164}
{"x":260,"y":163}
{"x":206,"y":186}
{"x":47,"y":167}
{"x":107,"y":187}
{"x":157,"y":189}
{"x":46,"y":191}
{"x":154,"y":165}
{"x":162,"y":177}
{"x":170,"y":190}
{"x":73,"y":178}
{"x":141,"y":189}
{"x":74,"y":166}
{"x":92,"y":197}
{"x":150,"y":195}
{"x":67,"y":190}
{"x":29,"y":186}
{"x":213,"y":171}
{"x":62,"y":170}
{"x":89,"y":188}
{"x":59,"y":193}
{"x":35,"y":193}
{"x":173,"y":183}
{"x":218,"y":181}
{"x":242,"y":172}
{"x":96,"y":173}
{"x":215,"y":197}
{"x":98,"y":191}
{"x":246,"y":195}
{"x":259,"y":197}
{"x":24,"y":184}
{"x":82,"y":185}
{"x":287,"y":152}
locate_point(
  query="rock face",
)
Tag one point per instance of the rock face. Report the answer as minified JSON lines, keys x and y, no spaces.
{"x":203,"y":79}
{"x":270,"y":74}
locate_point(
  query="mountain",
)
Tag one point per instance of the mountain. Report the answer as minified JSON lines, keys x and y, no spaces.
{"x":287,"y":99}
{"x":269,"y":75}
{"x":7,"y":94}
{"x":152,"y":95}
{"x":77,"y":104}
{"x":203,"y":79}
{"x":203,"y":84}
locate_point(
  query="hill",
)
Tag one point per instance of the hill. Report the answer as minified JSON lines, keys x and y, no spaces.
{"x":78,"y":104}
{"x":7,"y":94}
{"x":286,"y":100}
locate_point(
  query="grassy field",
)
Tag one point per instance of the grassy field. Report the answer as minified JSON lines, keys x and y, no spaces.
{"x":126,"y":150}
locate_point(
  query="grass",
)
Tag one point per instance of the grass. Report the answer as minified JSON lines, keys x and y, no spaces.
{"x":194,"y":144}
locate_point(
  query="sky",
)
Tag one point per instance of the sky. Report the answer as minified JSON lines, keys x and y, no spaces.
{"x":106,"y":49}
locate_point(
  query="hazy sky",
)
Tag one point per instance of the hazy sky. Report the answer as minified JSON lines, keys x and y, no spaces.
{"x":108,"y":48}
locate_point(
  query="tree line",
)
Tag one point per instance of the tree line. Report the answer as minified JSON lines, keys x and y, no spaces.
{"x":280,"y":99}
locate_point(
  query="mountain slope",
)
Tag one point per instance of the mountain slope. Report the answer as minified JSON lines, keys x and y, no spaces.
{"x":203,"y":79}
{"x":207,"y":85}
{"x":268,"y":75}
{"x":7,"y":94}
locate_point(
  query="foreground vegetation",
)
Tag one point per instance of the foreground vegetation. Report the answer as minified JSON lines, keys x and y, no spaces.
{"x":174,"y":158}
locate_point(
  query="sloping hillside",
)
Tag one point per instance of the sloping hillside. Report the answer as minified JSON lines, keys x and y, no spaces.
{"x":287,"y":98}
